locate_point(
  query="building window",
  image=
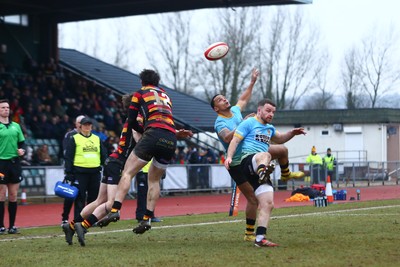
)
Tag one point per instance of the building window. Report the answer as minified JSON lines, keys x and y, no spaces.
{"x":325,"y":132}
{"x":21,"y":20}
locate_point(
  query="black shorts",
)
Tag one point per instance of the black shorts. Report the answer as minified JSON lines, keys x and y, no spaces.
{"x":12,"y":170}
{"x":248,"y":172}
{"x":237,"y":174}
{"x":112,"y":171}
{"x":158,"y":143}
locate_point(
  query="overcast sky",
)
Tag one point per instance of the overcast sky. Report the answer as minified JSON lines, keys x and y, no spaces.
{"x":342,"y":23}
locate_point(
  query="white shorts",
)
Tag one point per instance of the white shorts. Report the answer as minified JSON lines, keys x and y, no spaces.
{"x":263,"y":188}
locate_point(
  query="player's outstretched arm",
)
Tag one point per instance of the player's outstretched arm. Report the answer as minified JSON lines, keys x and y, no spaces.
{"x":280,"y":138}
{"x":246,"y":95}
{"x":183,"y":133}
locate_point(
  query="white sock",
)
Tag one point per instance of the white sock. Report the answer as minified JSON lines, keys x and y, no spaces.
{"x":259,"y":238}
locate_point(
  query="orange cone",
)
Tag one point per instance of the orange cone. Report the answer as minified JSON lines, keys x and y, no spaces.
{"x":23,"y":197}
{"x":328,"y":190}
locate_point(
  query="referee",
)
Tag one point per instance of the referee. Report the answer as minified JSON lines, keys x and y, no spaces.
{"x":11,"y":148}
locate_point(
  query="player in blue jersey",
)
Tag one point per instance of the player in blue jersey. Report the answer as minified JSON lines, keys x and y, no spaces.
{"x":253,"y":138}
{"x":228,"y":119}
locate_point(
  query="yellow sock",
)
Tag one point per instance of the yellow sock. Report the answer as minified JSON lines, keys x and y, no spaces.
{"x":249,"y":229}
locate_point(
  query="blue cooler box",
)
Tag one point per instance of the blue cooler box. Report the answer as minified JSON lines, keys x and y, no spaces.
{"x":339,"y":194}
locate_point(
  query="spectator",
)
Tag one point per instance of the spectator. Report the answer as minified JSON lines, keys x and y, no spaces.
{"x":180,"y":158}
{"x":59,"y":109}
{"x":210,"y":156}
{"x":45,"y":126}
{"x":42,"y":157}
{"x":99,"y":131}
{"x":315,"y":162}
{"x":221,"y":157}
{"x":329,"y":163}
{"x":193,"y":157}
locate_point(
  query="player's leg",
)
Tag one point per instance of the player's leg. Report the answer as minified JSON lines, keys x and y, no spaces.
{"x":265,"y":196}
{"x":261,"y":162}
{"x":141,"y":196}
{"x":3,"y":190}
{"x":163,"y":149}
{"x":252,"y":203}
{"x":156,"y":171}
{"x":281,"y":153}
{"x":251,"y":210}
{"x":132,"y":166}
{"x":12,"y":206}
{"x":101,"y":198}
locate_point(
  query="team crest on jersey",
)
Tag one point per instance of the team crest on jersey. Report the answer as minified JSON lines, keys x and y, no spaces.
{"x":263,"y":138}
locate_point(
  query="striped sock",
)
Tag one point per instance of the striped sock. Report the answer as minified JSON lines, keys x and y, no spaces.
{"x":89,"y":221}
{"x":250,"y":226}
{"x":72,"y":225}
{"x":285,"y":169}
{"x":260,"y":168}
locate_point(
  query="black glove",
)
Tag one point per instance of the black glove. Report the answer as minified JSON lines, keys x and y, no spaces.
{"x":69,"y":178}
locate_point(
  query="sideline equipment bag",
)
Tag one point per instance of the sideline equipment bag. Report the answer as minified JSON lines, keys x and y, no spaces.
{"x":65,"y":190}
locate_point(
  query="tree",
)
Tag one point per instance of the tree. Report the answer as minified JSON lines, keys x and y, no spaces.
{"x":122,"y":49}
{"x":173,"y":35}
{"x":370,"y":70}
{"x":323,"y":99}
{"x":291,"y":58}
{"x":229,"y":76}
{"x":350,"y":80}
{"x":379,"y":71}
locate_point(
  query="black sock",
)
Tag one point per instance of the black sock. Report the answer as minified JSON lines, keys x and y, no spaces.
{"x":1,"y":213}
{"x":261,"y":230}
{"x":12,"y":212}
{"x":79,"y":219}
{"x":148,"y":214}
{"x":117,"y":205}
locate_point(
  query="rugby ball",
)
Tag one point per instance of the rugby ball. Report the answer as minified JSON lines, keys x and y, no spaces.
{"x":216,"y":51}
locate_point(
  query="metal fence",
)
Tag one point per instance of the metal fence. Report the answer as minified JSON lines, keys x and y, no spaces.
{"x":191,"y":178}
{"x":351,"y":174}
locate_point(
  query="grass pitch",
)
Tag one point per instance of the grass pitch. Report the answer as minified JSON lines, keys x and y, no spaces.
{"x":350,"y":234}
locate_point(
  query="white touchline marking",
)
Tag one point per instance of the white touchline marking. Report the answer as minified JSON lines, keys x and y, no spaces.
{"x":221,"y":222}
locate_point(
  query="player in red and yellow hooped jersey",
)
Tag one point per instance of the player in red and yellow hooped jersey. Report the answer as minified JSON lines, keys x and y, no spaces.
{"x":155,"y":106}
{"x":158,"y":142}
